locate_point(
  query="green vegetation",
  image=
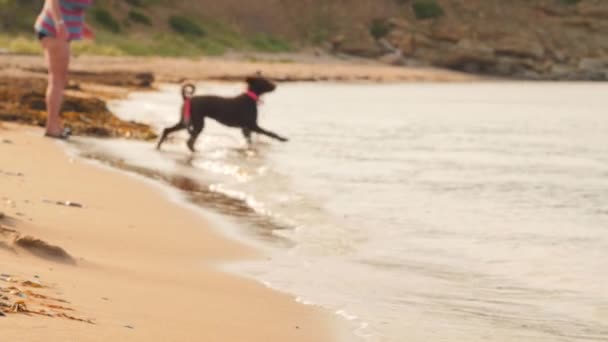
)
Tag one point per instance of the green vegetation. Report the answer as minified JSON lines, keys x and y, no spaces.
{"x":185,"y":26}
{"x":139,"y":17}
{"x":136,"y":3}
{"x":21,"y":45}
{"x":267,"y":43}
{"x":105,"y":19}
{"x":427,"y":9}
{"x":379,"y":28}
{"x":569,"y":2}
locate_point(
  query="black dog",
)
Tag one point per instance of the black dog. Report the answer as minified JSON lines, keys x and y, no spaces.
{"x":240,"y":111}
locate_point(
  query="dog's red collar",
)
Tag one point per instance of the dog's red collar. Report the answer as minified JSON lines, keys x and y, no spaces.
{"x":187,"y":109}
{"x":252,"y":95}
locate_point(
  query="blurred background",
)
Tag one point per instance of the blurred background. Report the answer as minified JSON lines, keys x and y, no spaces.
{"x":523,"y":39}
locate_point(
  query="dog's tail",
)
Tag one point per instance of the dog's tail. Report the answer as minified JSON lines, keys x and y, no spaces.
{"x":188,"y":90}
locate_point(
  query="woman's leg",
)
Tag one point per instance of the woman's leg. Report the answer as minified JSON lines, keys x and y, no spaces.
{"x":57,"y":55}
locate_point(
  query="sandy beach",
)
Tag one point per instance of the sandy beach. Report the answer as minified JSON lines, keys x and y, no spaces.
{"x":110,"y":271}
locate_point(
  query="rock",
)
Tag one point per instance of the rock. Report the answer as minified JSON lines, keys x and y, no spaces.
{"x":552,"y":11}
{"x":336,"y":42}
{"x":388,"y":47}
{"x":466,"y":61}
{"x":407,"y":44}
{"x":468,"y":56}
{"x":423,"y":41}
{"x":596,"y":9}
{"x":392,"y":59}
{"x":585,"y":23}
{"x":519,"y":47}
{"x":395,"y":36}
{"x":449,"y":31}
{"x":358,"y":43}
{"x":593,"y":64}
{"x":399,"y":24}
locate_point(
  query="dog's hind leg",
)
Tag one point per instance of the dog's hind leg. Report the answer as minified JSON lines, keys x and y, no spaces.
{"x":260,"y":130}
{"x":168,"y":131}
{"x":194,"y":133}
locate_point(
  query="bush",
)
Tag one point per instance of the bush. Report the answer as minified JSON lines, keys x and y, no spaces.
{"x":427,"y":9}
{"x":379,"y":28}
{"x":106,"y":20}
{"x":267,"y":43}
{"x":136,"y":3}
{"x":139,"y":18}
{"x":185,"y":26}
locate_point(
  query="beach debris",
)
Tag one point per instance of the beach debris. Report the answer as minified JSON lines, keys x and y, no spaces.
{"x":32,"y":303}
{"x":30,"y":283}
{"x":72,"y":318}
{"x":41,"y":296}
{"x":58,"y":307}
{"x":129,"y":327}
{"x":64,"y":203}
{"x":2,"y":314}
{"x":15,"y":291}
{"x":7,"y":141}
{"x":19,"y":306}
{"x":24,"y":99}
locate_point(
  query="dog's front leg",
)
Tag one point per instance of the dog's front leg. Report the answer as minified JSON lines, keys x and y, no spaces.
{"x":247,"y":135}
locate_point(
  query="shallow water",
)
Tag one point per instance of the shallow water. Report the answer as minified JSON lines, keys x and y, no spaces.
{"x":422,"y":212}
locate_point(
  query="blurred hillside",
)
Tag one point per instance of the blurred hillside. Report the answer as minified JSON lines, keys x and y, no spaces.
{"x":533,"y":39}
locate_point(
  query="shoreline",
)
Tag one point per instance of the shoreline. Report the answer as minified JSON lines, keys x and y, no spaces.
{"x":96,"y":80}
{"x":136,"y":278}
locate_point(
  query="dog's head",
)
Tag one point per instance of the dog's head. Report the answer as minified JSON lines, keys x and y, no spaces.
{"x":259,"y":84}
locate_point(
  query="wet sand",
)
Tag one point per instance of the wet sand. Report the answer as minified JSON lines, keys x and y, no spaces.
{"x":107,"y":269}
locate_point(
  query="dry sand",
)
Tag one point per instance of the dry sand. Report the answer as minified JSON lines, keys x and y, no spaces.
{"x":289,"y":68}
{"x":140,"y":267}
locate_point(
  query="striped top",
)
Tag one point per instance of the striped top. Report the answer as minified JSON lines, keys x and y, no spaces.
{"x":72,"y":12}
